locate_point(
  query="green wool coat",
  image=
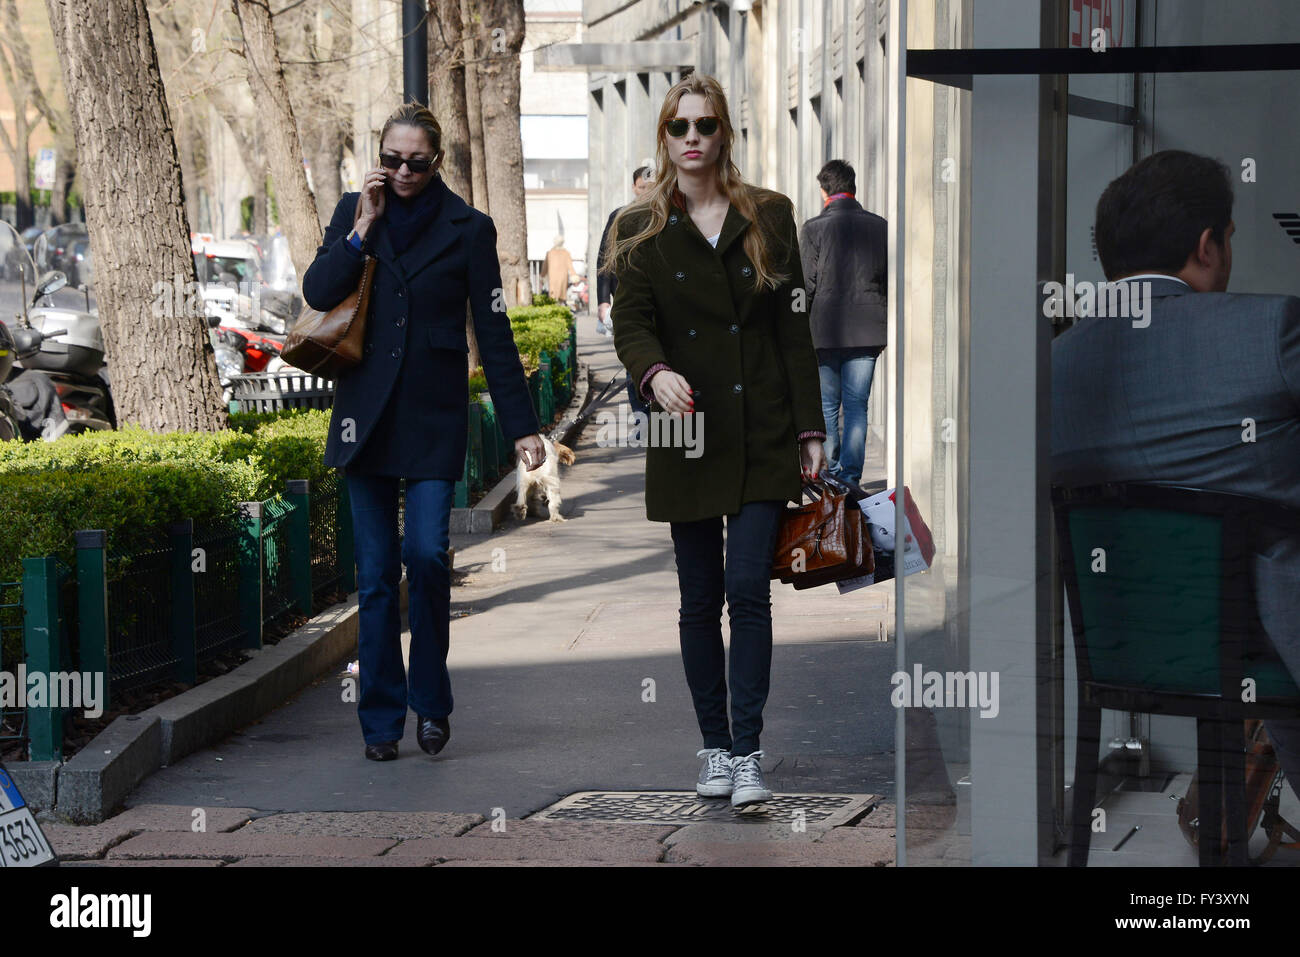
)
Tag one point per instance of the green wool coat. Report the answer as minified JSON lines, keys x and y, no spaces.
{"x":747,"y":355}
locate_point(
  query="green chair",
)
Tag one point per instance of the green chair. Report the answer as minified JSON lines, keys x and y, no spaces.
{"x":1162,"y":606}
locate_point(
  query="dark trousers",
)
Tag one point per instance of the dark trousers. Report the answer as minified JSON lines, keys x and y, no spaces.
{"x":704,"y":581}
{"x":386,"y":689}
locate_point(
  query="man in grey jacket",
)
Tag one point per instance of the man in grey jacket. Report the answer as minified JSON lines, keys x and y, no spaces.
{"x":844,"y":254}
{"x":1195,"y":386}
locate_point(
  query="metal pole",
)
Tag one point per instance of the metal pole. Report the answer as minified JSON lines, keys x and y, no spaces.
{"x":415,"y":51}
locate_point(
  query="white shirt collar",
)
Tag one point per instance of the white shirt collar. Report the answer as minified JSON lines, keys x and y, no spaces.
{"x":1155,"y":275}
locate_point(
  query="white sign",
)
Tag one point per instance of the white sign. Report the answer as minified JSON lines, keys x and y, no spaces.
{"x":21,"y":842}
{"x":44,"y":169}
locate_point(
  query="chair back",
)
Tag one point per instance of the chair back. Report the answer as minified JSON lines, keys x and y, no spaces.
{"x":1159,"y":586}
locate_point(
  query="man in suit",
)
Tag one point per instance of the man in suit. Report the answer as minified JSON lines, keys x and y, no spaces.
{"x":1166,"y":394}
{"x":845,"y":251}
{"x":607,"y":282}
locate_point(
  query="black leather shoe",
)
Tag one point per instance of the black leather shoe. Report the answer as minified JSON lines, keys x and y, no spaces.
{"x":432,"y":733}
{"x":386,"y":751}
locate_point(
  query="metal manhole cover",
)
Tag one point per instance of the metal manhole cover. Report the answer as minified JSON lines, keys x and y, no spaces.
{"x":685,"y":807}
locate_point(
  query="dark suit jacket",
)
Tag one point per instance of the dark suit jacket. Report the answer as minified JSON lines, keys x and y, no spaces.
{"x":410,"y":391}
{"x":1168,"y":404}
{"x":845,"y":257}
{"x":606,"y":282}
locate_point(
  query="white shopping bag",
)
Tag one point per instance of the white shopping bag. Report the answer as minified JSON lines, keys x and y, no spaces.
{"x":918,"y":544}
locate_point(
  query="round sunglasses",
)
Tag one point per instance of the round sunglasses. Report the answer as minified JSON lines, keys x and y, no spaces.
{"x":391,"y":161}
{"x":705,"y":125}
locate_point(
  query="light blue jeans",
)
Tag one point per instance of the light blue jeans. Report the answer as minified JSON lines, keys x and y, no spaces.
{"x":846,"y":376}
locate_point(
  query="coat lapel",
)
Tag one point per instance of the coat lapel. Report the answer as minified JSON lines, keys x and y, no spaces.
{"x":732,"y":227}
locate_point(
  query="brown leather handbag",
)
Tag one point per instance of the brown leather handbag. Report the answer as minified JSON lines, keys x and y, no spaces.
{"x":861,"y":554}
{"x":329,"y":343}
{"x":812,"y":536}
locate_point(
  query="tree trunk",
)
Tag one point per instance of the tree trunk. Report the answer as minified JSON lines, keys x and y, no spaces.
{"x":499,"y":88}
{"x":161,"y":362}
{"x":294,"y":202}
{"x":18,"y":84}
{"x":447,"y":85}
{"x":473,"y":25}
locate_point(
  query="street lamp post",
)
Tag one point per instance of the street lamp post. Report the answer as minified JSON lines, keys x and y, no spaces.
{"x":415,"y":51}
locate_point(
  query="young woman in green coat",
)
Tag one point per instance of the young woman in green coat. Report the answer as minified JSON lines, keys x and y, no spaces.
{"x":713,"y":329}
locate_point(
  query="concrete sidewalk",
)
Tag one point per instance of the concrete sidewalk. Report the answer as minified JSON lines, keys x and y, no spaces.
{"x":559,"y":633}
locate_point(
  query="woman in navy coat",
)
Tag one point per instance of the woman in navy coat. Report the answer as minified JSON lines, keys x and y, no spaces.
{"x":402,"y":413}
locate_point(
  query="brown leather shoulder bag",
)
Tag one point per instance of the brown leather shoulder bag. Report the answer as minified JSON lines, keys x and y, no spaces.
{"x":329,"y":343}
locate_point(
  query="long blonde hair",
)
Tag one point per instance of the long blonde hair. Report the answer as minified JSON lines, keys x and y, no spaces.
{"x":746,"y":197}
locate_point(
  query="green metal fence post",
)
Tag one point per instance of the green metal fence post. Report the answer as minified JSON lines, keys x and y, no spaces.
{"x":41,"y":641}
{"x":184,"y":619}
{"x":474,"y":447}
{"x":250,"y":572}
{"x":347,"y":558}
{"x":92,"y":605}
{"x":488,"y":437}
{"x":298,"y":494}
{"x":545,"y":388}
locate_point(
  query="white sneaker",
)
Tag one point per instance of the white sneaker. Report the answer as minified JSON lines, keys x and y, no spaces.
{"x":747,"y":781}
{"x":715,"y":773}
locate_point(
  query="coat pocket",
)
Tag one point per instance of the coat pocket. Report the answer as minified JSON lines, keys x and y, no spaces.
{"x":448,"y":337}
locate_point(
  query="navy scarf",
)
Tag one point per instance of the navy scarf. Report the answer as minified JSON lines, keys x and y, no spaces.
{"x":405,"y":220}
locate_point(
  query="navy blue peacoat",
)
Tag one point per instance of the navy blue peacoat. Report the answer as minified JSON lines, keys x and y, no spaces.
{"x":403,"y":410}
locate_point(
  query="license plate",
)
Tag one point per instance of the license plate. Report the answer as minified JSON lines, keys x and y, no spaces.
{"x":21,"y":842}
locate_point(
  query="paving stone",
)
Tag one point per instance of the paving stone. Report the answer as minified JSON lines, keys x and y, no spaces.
{"x":557,"y":864}
{"x":385,"y":861}
{"x":756,"y":833}
{"x":161,"y":862}
{"x":923,"y":816}
{"x":233,"y":846}
{"x":574,"y":831}
{"x":397,"y":825}
{"x":842,"y":846}
{"x":180,"y":817}
{"x":545,"y":841}
{"x":75,"y":843}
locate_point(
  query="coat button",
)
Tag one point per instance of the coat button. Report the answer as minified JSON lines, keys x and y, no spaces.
{"x":747,"y":271}
{"x":370,"y":347}
{"x":679,"y":275}
{"x":737,"y":387}
{"x":672,"y":219}
{"x":691,"y":333}
{"x":401,"y":321}
{"x":401,"y":293}
{"x":733,"y":328}
{"x":397,"y":353}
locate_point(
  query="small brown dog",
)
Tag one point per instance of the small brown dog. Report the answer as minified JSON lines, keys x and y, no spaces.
{"x":542,"y":483}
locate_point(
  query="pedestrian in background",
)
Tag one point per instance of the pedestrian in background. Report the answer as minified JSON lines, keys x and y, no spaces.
{"x":607,"y":283}
{"x":402,"y":413}
{"x":559,"y":267}
{"x":845,"y":253}
{"x":709,"y":324}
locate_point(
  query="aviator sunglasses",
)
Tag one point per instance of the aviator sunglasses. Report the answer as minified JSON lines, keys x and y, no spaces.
{"x":706,"y":125}
{"x":389,"y":161}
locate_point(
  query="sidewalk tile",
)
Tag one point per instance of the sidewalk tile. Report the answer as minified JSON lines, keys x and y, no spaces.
{"x":403,"y":825}
{"x":160,"y":862}
{"x":237,"y":845}
{"x":385,"y":861}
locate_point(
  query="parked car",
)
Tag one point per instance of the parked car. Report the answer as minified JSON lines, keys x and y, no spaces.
{"x":234,"y":289}
{"x":17,"y":258}
{"x":52,"y":250}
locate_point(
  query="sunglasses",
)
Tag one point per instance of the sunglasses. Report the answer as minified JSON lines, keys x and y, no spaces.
{"x":389,"y":161}
{"x":705,"y":125}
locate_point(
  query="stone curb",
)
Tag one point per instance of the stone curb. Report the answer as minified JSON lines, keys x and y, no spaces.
{"x":86,"y":788}
{"x":492,"y":509}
